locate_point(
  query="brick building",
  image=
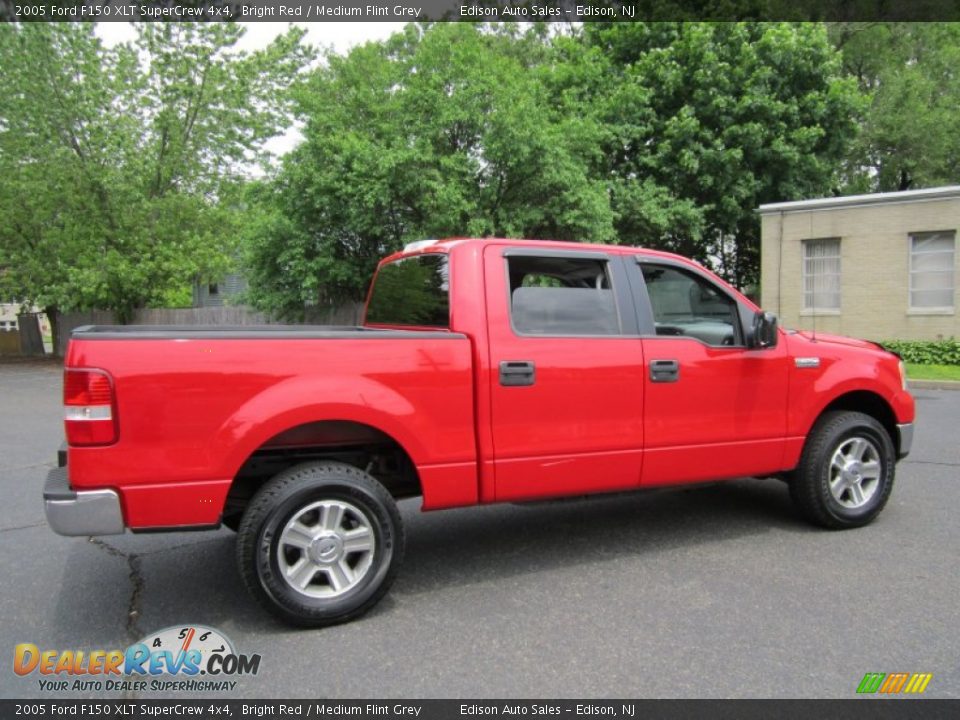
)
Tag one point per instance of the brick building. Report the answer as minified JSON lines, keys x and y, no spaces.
{"x":881,"y":266}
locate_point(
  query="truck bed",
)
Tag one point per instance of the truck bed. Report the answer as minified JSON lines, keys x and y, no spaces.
{"x":251,"y":332}
{"x":195,"y":403}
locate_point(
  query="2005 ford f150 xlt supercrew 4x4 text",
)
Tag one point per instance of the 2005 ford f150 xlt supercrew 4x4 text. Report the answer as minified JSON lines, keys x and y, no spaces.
{"x":485,"y":371}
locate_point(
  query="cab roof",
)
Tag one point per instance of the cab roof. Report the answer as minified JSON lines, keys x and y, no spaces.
{"x":446,"y":245}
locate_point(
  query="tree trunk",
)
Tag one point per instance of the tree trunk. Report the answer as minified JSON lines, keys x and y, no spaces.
{"x":905,"y":180}
{"x":53,"y":317}
{"x":123,"y":313}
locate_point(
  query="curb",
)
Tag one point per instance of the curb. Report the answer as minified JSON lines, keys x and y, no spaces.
{"x":933,"y":384}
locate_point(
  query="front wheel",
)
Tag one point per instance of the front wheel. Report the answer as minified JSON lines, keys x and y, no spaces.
{"x":320,"y":544}
{"x":846,"y":471}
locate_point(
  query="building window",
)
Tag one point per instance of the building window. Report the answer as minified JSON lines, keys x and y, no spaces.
{"x":821,"y":274}
{"x":213,"y":289}
{"x":932,"y":270}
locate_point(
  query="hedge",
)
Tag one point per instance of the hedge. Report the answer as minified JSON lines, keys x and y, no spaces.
{"x":926,"y":352}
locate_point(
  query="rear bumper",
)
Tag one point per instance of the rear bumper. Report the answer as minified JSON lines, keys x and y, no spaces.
{"x":80,"y":512}
{"x":905,"y":431}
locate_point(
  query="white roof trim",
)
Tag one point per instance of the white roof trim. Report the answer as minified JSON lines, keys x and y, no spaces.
{"x":937,"y":193}
{"x":418,"y":245}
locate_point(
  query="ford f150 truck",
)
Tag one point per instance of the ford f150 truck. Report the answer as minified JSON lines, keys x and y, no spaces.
{"x":485,"y":371}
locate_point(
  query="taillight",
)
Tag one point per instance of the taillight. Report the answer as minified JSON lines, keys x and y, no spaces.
{"x":89,"y":408}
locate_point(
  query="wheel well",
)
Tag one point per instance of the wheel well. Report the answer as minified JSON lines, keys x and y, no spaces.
{"x":870,"y":404}
{"x":362,"y":446}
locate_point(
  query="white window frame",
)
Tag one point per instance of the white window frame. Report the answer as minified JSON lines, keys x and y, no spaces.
{"x":813,"y":307}
{"x":931,"y":309}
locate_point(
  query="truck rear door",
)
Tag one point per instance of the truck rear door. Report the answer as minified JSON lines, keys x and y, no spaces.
{"x":567,"y":372}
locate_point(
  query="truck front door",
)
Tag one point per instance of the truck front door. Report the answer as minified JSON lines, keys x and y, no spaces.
{"x":714,"y":407}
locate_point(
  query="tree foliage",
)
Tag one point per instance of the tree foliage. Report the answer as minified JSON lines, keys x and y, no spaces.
{"x":908,"y":72}
{"x":124,"y":171}
{"x":660,"y":134}
{"x":119,"y":167}
{"x":438,"y":131}
{"x":706,"y":121}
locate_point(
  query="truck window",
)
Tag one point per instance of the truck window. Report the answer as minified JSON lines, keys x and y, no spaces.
{"x":561,"y":296}
{"x":685,"y":304}
{"x":412,"y":291}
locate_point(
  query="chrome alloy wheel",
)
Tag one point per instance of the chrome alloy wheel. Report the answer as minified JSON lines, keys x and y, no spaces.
{"x":855,"y":472}
{"x":326,"y":549}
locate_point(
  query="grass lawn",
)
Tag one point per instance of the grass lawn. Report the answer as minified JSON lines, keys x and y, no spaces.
{"x":933,"y":372}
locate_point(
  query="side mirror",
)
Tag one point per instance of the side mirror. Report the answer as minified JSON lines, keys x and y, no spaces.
{"x":764,"y":332}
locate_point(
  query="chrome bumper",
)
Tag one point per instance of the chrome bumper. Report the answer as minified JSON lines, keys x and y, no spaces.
{"x":80,"y":512}
{"x":905,"y":431}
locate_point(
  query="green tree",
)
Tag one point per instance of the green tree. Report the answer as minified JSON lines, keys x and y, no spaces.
{"x":911,"y":133}
{"x":705,"y":121}
{"x":660,"y":134}
{"x":120,"y":168}
{"x":440,"y":130}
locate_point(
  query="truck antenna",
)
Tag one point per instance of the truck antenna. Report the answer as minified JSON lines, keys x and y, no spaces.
{"x":816,"y":288}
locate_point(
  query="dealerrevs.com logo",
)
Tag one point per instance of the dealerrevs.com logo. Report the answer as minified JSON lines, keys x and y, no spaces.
{"x":187,"y":658}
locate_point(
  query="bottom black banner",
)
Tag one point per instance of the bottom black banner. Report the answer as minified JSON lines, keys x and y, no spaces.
{"x":445,"y":709}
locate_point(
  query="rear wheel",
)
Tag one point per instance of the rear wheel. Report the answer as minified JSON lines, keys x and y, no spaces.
{"x":846,"y":471}
{"x":320,"y":543}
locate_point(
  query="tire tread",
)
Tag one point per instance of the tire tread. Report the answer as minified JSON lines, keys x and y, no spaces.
{"x":266,"y":499}
{"x":805,"y":483}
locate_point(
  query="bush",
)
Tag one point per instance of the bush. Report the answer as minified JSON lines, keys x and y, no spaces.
{"x":926,"y":352}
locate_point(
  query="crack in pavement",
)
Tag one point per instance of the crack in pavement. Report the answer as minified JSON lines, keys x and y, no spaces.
{"x":931,"y":462}
{"x":23,"y":527}
{"x":137,"y":583}
{"x":195,"y":543}
{"x":134,"y":632}
{"x":48,"y":464}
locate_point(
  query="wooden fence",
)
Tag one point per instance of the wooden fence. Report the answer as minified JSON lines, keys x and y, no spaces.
{"x":9,"y":342}
{"x":26,"y":339}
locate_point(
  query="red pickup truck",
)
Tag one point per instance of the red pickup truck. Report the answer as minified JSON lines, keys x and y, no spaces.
{"x":485,"y":371}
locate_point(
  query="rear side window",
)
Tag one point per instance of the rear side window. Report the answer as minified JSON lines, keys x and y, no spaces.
{"x":412,"y":291}
{"x":561,"y":296}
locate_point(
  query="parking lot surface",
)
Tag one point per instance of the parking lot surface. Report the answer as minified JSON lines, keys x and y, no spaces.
{"x":718,"y":591}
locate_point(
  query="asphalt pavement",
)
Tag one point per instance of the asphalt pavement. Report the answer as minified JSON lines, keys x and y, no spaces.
{"x":718,"y":591}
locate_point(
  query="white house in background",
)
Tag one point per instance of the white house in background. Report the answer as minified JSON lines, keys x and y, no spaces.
{"x":8,"y":316}
{"x":222,"y":292}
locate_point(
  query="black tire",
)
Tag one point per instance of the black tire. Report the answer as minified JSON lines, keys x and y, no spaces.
{"x":266,"y":557}
{"x":810,"y":484}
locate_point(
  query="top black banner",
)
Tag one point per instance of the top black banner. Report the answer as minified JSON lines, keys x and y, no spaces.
{"x":476,"y":10}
